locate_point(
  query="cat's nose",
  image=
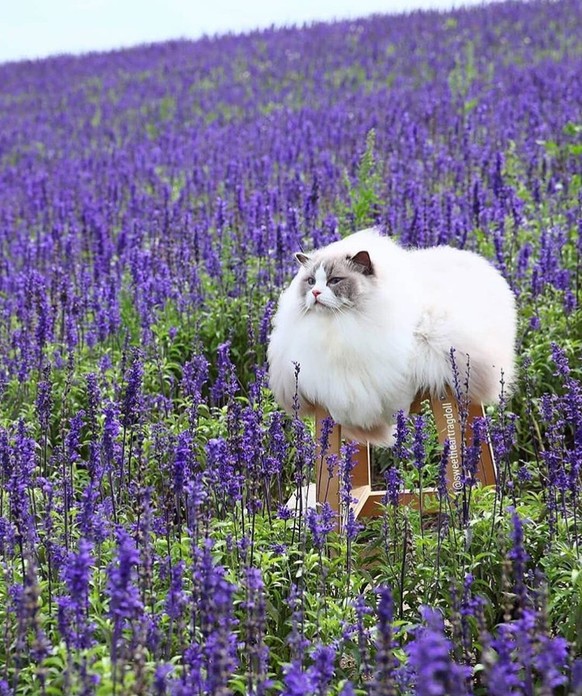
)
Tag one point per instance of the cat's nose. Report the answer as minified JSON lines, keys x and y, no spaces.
{"x":316,"y":293}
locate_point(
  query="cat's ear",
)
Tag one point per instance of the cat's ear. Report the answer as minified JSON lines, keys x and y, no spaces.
{"x":302,"y":258}
{"x":362,"y":258}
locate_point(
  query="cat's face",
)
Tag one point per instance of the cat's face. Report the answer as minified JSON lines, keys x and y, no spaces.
{"x":334,"y":284}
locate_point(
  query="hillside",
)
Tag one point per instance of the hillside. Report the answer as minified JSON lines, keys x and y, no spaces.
{"x":151,"y":201}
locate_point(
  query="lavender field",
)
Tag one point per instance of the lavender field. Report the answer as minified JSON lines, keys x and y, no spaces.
{"x":151,"y":201}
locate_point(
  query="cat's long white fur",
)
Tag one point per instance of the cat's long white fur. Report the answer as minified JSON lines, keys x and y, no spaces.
{"x":365,"y":364}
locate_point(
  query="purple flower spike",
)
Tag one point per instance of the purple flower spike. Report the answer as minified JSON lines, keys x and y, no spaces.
{"x":320,"y":524}
{"x":384,"y":683}
{"x":74,"y":625}
{"x":429,"y":655}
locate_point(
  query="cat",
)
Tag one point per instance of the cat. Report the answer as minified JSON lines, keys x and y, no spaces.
{"x":371,"y":324}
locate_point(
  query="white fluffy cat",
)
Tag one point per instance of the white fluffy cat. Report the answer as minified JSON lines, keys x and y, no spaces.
{"x":372,"y":324}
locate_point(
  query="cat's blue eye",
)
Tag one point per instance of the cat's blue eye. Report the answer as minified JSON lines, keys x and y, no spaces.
{"x":311,"y":280}
{"x":334,"y":281}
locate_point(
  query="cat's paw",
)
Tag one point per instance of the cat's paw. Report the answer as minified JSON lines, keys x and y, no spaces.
{"x":391,"y":438}
{"x":382,"y":435}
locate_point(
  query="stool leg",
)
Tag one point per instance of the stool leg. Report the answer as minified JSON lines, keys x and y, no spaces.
{"x":448,"y":422}
{"x":486,"y":470}
{"x":361,"y":475}
{"x":326,"y":482}
{"x":446,"y":415}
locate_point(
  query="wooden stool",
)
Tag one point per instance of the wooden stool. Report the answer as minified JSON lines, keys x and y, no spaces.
{"x":448,"y":423}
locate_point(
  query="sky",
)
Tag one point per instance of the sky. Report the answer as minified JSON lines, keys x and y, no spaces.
{"x":39,"y":28}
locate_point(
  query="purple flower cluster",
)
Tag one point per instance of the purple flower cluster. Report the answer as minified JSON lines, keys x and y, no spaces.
{"x":430,"y":663}
{"x":74,"y":624}
{"x":150,"y":204}
{"x":193,"y":175}
{"x":561,"y":415}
